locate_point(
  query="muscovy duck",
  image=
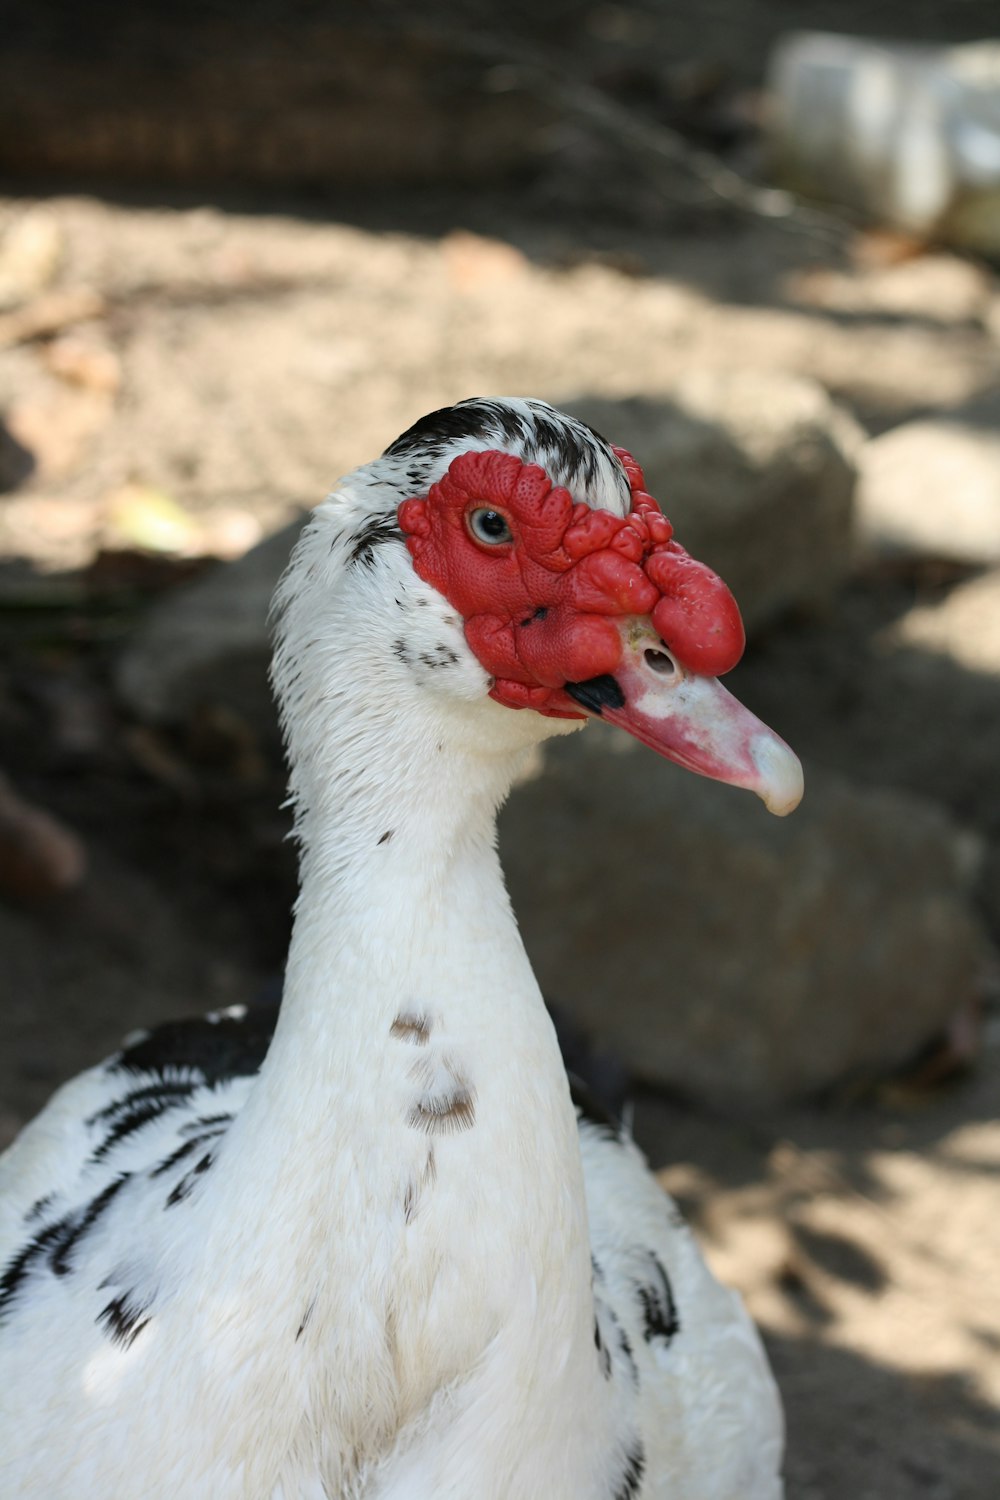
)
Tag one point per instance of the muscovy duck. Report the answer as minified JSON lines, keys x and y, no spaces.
{"x":381,"y":1255}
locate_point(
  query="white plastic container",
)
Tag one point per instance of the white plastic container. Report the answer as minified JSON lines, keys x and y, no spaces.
{"x":908,"y":135}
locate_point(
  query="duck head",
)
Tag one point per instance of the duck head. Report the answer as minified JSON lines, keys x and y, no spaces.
{"x":558,"y":590}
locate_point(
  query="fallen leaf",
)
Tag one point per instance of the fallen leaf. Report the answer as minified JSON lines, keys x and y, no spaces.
{"x":140,"y":516}
{"x":83,"y":361}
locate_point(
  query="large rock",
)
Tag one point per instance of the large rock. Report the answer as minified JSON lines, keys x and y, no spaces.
{"x":932,"y":288}
{"x":209,"y":643}
{"x":932,"y":487}
{"x":739,"y":958}
{"x":756,"y":470}
{"x":964,"y":626}
{"x":955,"y":641}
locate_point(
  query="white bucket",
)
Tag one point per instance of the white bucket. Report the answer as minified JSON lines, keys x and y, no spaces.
{"x":908,"y":135}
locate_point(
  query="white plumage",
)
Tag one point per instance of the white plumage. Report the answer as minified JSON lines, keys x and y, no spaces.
{"x":393,"y":1263}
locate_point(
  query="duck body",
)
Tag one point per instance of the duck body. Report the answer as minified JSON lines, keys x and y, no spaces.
{"x":378,"y":1255}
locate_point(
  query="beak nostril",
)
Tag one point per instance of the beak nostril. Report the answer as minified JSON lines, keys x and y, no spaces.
{"x":660,"y":662}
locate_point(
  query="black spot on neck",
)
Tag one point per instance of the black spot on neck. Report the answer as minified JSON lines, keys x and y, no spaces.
{"x":603,"y":1353}
{"x":444,"y":1114}
{"x":625,"y":1346}
{"x":305,"y":1320}
{"x":411,"y":1027}
{"x":597,"y":693}
{"x":373,"y":533}
{"x":659,"y":1310}
{"x":123,"y":1319}
{"x":441,"y":656}
{"x":635,"y":1468}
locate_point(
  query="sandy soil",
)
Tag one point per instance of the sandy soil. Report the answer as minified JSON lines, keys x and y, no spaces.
{"x":235,"y":363}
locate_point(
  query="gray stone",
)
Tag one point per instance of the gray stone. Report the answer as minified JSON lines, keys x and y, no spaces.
{"x":964,"y":625}
{"x":739,"y":958}
{"x":932,"y":487}
{"x":756,"y":471}
{"x":209,"y":643}
{"x":935,"y":288}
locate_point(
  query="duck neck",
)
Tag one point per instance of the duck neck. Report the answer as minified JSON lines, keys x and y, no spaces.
{"x":412,"y":1040}
{"x":403,"y":928}
{"x":402,"y":904}
{"x":414,"y":1083}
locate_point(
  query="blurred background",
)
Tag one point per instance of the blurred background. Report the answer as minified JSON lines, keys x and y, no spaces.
{"x":242,"y":247}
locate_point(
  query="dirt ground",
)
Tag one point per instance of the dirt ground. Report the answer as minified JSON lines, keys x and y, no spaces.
{"x":227,"y":367}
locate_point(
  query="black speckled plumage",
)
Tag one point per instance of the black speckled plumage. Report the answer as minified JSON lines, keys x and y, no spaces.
{"x":377,"y":530}
{"x":228,"y":1045}
{"x":631,"y":1478}
{"x":659,"y":1310}
{"x":123,"y":1319}
{"x":561,"y":444}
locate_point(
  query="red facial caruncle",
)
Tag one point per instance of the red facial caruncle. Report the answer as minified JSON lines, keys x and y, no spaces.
{"x":539,"y":598}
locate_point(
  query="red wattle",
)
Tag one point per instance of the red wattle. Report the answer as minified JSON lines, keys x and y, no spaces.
{"x":521,"y":695}
{"x":567,"y":647}
{"x":590,"y":533}
{"x":636,"y":478}
{"x":609,"y":584}
{"x":538,"y":606}
{"x":697,"y":617}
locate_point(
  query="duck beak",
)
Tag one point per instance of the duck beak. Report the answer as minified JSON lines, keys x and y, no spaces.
{"x":691,"y":720}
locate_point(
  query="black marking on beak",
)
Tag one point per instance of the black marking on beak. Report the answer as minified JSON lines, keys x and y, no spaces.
{"x":597,"y":693}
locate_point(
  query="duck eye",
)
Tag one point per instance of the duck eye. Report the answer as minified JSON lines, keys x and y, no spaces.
{"x":489,"y":526}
